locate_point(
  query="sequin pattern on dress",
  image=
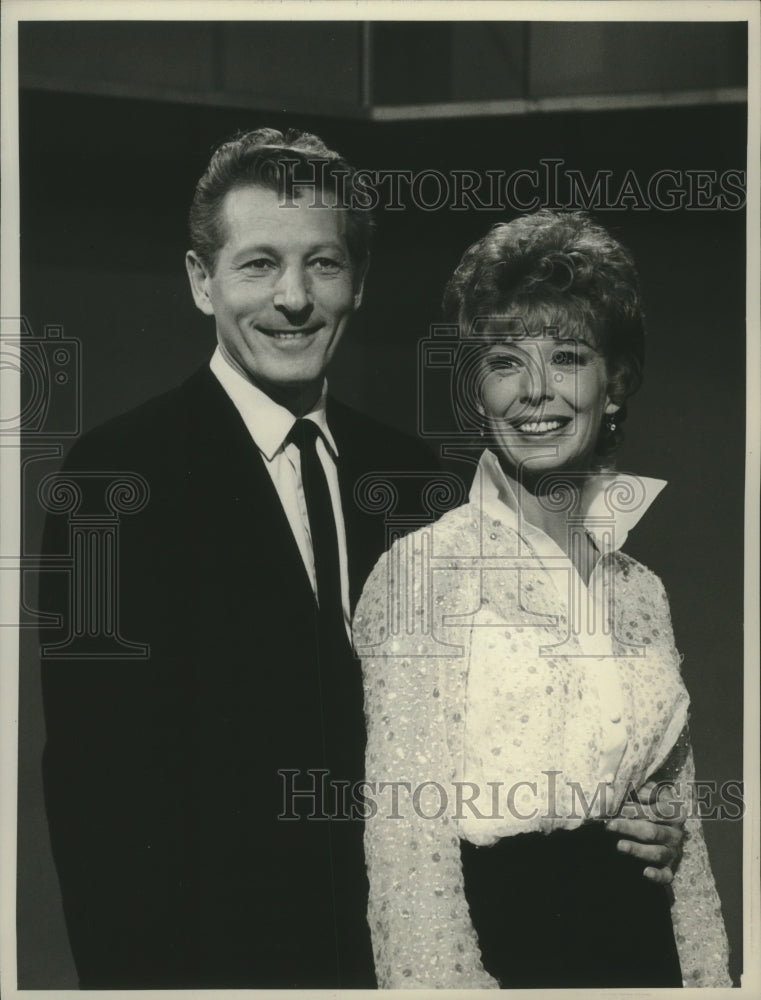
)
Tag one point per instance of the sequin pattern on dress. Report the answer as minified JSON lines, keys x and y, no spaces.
{"x":472,"y":676}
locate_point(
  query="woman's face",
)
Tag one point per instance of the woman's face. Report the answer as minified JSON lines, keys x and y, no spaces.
{"x":545,"y":399}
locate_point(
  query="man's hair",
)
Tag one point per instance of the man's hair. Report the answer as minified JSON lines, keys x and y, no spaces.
{"x":562,"y":270}
{"x":288,"y":164}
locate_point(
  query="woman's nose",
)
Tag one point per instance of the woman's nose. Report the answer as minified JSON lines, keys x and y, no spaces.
{"x":536,"y":384}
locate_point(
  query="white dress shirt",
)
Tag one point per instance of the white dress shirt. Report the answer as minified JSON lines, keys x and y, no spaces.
{"x":269,"y":424}
{"x":590,"y":611}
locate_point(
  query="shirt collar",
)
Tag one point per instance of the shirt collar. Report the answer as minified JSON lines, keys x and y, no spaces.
{"x":267,"y":422}
{"x":612,"y":502}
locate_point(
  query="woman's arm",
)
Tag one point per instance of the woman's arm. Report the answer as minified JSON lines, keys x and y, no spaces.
{"x":419,"y":919}
{"x":696,"y":911}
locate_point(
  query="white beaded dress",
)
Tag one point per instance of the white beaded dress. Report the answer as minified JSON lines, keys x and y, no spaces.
{"x":504,"y":696}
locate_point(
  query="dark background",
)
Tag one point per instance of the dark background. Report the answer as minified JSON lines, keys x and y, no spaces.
{"x":105,"y":186}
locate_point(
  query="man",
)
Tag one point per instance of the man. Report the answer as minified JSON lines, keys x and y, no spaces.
{"x":169,"y":781}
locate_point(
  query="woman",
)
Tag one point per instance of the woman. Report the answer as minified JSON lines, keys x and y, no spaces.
{"x":521,"y":679}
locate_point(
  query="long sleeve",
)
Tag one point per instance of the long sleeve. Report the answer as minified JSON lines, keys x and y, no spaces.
{"x":419,"y":919}
{"x":696,"y":911}
{"x":113,"y":800}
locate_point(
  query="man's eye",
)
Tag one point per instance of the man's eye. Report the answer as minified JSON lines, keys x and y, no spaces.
{"x":326,"y":265}
{"x":259,"y":264}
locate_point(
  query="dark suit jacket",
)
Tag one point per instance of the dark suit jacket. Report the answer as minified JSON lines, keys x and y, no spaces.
{"x":161,"y":775}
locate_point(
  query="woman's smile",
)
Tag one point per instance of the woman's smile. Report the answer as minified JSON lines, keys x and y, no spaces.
{"x":540,"y":426}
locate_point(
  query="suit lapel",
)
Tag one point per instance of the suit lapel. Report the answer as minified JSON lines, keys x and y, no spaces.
{"x":234,"y":485}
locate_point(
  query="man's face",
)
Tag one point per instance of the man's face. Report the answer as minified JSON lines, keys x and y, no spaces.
{"x":282,"y":292}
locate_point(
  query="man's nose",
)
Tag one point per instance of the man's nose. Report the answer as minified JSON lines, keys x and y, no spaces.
{"x":292,"y":292}
{"x":536,"y":384}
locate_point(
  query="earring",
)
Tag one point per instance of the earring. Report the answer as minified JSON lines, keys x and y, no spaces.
{"x":610,"y":423}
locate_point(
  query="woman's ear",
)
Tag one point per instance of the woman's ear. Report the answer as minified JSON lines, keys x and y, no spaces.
{"x":617,"y":388}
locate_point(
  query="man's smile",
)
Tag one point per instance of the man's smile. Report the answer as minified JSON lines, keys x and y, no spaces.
{"x":290,"y":333}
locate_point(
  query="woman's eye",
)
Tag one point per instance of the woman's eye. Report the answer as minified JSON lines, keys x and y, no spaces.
{"x":503,"y":365}
{"x":567,"y":359}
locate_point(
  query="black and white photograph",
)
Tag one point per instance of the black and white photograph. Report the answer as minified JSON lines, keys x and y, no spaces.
{"x":380,"y":496}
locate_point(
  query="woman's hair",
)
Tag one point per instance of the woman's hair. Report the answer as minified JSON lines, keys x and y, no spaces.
{"x":564,"y":271}
{"x":288,"y":164}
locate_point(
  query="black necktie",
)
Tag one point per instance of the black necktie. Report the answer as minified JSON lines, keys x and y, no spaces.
{"x":339,"y":703}
{"x":322,"y":527}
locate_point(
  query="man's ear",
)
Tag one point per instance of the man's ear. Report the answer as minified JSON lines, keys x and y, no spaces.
{"x":359,"y":287}
{"x":198,"y":276}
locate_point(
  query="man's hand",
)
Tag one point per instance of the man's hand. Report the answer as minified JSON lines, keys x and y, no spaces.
{"x":652,"y":829}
